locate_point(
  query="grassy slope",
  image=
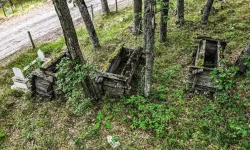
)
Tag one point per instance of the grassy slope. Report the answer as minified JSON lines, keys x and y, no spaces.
{"x":197,"y":122}
{"x":18,"y":9}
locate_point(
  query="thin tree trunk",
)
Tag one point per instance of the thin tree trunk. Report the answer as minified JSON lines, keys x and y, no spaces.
{"x":163,"y":22}
{"x":73,"y":46}
{"x":145,"y":20}
{"x":3,"y":10}
{"x":180,"y":12}
{"x":88,"y":22}
{"x":206,"y":11}
{"x":105,"y":6}
{"x":150,"y":32}
{"x":11,"y":3}
{"x":137,"y":17}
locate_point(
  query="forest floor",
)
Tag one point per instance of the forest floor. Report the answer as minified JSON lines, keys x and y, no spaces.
{"x":43,"y":24}
{"x":172,"y":118}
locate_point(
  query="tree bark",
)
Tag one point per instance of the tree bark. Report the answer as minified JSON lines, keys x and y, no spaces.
{"x":137,"y":17}
{"x":105,"y":7}
{"x":149,"y":15}
{"x":163,"y":22}
{"x":88,"y":23}
{"x":73,"y":46}
{"x":11,"y":3}
{"x":180,"y":12}
{"x":3,"y":10}
{"x":206,"y":11}
{"x":68,"y":28}
{"x":145,"y":19}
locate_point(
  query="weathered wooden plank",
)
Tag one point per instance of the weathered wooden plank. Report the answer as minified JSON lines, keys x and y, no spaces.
{"x":200,"y":56}
{"x":51,"y":65}
{"x":132,"y":64}
{"x":114,"y":62}
{"x":241,"y":60}
{"x":219,"y":49}
{"x":44,"y":94}
{"x":112,"y":76}
{"x":197,"y":67}
{"x":202,"y":80}
{"x":212,"y":39}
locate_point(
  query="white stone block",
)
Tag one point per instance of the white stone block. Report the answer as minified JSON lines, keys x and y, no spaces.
{"x":18,"y":73}
{"x":41,"y":55}
{"x":112,"y":142}
{"x":21,"y":85}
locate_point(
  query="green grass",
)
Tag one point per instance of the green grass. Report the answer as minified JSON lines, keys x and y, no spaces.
{"x":18,"y":8}
{"x":172,"y":118}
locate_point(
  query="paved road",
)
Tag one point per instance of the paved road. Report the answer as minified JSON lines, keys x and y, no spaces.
{"x":43,"y":24}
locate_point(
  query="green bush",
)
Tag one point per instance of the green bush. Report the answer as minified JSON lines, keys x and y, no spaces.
{"x":149,"y":115}
{"x":223,"y":77}
{"x":2,"y":136}
{"x":70,"y":77}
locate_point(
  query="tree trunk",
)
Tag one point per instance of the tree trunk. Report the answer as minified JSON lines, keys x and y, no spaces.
{"x":137,"y":17}
{"x":206,"y":11}
{"x":73,"y":46}
{"x":150,"y":32}
{"x":163,"y":22}
{"x":3,"y":11}
{"x":242,"y":60}
{"x":145,"y":19}
{"x":88,"y":22}
{"x":105,"y":6}
{"x":180,"y":12}
{"x":11,"y":3}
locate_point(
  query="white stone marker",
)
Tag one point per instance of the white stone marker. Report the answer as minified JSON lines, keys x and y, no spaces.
{"x":113,"y":143}
{"x":41,"y":55}
{"x":18,"y":73}
{"x":20,"y":82}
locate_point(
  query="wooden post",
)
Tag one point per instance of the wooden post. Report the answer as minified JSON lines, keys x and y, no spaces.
{"x":116,"y":6}
{"x":92,"y":12}
{"x":31,"y":40}
{"x":3,"y":11}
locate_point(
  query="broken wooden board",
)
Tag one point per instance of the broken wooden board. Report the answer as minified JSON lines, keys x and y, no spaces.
{"x":43,"y":80}
{"x":242,"y":60}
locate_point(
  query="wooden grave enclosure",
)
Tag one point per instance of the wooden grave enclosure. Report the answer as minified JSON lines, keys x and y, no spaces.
{"x":206,"y":57}
{"x":43,"y":80}
{"x":116,"y":80}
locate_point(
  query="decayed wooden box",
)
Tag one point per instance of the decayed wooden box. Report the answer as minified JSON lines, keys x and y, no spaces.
{"x":116,"y":79}
{"x":43,"y":80}
{"x":206,"y":57}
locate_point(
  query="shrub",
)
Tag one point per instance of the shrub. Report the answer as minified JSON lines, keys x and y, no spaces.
{"x":224,"y":78}
{"x":148,"y":115}
{"x":70,"y":77}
